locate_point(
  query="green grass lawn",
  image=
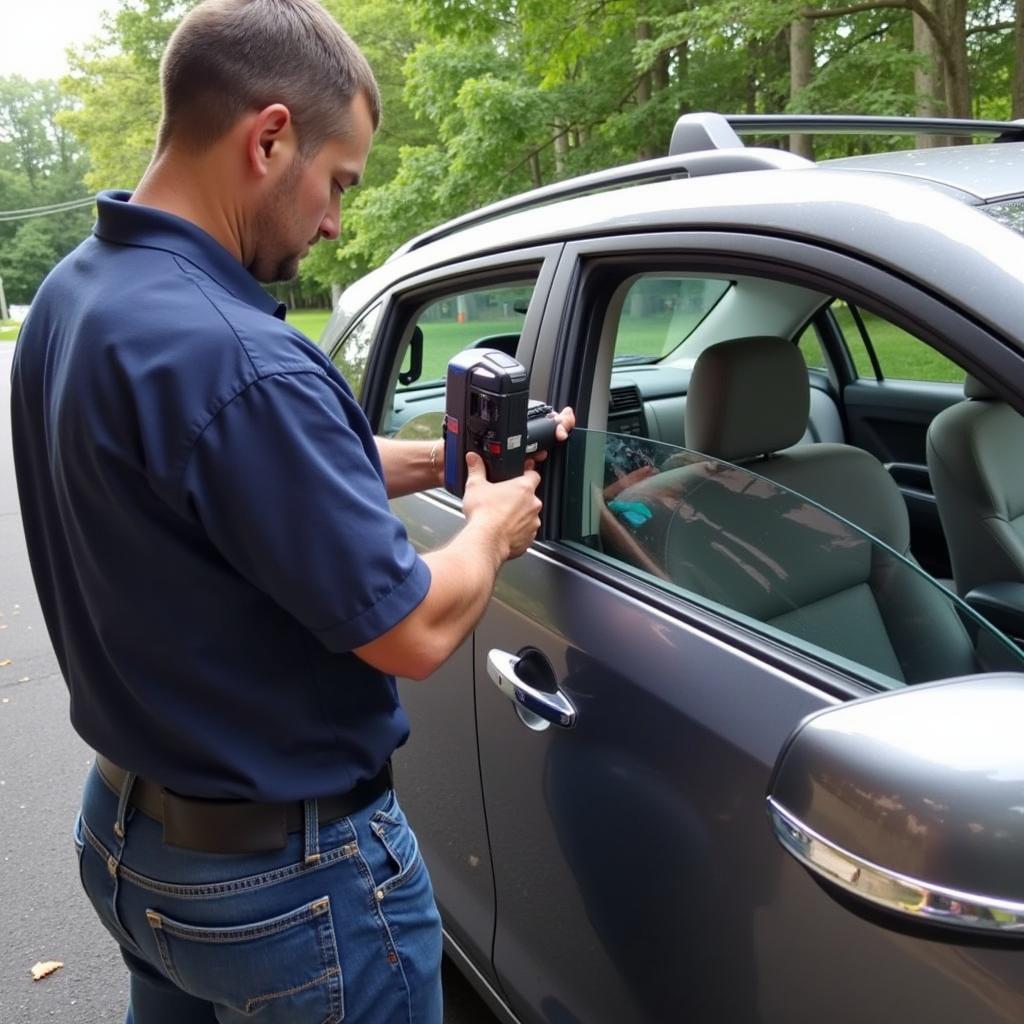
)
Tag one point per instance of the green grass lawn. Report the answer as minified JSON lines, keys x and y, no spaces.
{"x":9,"y":330}
{"x":900,"y":355}
{"x":310,"y":321}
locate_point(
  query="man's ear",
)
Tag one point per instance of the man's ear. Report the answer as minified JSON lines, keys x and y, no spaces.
{"x":271,"y":141}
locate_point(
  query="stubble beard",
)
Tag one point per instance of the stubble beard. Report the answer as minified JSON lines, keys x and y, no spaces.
{"x":277,"y":226}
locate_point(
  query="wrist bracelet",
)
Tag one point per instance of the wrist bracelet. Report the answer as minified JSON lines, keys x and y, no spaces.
{"x":433,"y":456}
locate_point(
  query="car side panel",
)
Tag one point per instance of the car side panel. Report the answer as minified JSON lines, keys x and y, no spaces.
{"x":637,"y":878}
{"x":436,"y":773}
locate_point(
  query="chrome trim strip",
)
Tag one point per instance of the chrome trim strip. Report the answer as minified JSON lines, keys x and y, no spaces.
{"x":910,"y":897}
{"x":487,"y":992}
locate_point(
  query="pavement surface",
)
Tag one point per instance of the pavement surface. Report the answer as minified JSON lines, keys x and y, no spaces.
{"x":44,"y":914}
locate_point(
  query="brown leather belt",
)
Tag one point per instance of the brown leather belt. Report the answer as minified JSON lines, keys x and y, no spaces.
{"x":235,"y":826}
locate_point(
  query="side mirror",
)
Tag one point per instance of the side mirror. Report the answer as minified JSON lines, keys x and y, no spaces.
{"x":913,"y":802}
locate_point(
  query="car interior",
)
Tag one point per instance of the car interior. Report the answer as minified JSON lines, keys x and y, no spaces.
{"x":743,"y":457}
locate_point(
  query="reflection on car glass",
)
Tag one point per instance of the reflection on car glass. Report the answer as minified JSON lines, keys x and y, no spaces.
{"x":780,"y":561}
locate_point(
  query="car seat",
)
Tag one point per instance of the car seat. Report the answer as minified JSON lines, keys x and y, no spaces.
{"x":974,"y":451}
{"x":734,"y":524}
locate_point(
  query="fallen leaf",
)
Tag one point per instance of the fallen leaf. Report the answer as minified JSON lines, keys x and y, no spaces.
{"x":41,"y":970}
{"x":5,"y":663}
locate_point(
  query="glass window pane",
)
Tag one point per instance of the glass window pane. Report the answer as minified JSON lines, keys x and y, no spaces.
{"x":772,"y":560}
{"x":485,"y":316}
{"x":810,"y":347}
{"x":900,"y":355}
{"x":489,"y":317}
{"x":352,"y":354}
{"x":660,"y":312}
{"x":852,"y":337}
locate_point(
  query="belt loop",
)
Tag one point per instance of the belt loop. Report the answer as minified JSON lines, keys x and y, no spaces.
{"x":312,"y":823}
{"x":122,"y":804}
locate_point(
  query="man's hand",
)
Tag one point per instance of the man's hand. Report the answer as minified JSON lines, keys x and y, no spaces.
{"x":509,"y":510}
{"x":564,"y":423}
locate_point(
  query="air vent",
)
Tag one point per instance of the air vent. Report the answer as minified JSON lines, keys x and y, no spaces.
{"x":625,"y":399}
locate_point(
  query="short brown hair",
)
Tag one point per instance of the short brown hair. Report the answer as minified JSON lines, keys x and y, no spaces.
{"x":230,"y":56}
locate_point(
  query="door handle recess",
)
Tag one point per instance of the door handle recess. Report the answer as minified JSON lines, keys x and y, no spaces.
{"x":549,"y":708}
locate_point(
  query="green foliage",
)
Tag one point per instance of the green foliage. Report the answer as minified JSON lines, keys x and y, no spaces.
{"x":486,"y":98}
{"x":38,"y":244}
{"x":40,"y":164}
{"x":115,"y":83}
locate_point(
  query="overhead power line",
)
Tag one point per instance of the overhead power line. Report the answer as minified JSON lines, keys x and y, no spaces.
{"x":46,"y":211}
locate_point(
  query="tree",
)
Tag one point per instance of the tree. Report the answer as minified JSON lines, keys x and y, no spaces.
{"x":40,"y":164}
{"x":485,"y":98}
{"x":115,"y":82}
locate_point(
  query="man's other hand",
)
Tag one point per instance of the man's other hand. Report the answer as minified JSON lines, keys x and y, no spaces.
{"x":510,"y":509}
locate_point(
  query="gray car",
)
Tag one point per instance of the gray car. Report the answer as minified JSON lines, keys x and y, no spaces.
{"x":740,"y":737}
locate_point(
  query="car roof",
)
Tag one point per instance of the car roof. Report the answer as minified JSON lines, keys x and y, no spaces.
{"x":888,"y":217}
{"x":988,"y":172}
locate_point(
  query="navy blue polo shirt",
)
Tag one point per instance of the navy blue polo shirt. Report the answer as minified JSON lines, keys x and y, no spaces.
{"x":206,"y":520}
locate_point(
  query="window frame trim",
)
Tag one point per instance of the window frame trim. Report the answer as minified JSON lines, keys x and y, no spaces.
{"x":561,"y":370}
{"x":405,"y":299}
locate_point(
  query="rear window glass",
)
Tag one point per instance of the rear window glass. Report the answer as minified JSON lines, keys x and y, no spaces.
{"x":1010,"y":213}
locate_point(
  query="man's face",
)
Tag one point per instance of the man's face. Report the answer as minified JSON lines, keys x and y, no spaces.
{"x":305,"y":204}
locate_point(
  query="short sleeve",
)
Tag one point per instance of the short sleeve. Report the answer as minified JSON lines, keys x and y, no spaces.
{"x":282,"y":484}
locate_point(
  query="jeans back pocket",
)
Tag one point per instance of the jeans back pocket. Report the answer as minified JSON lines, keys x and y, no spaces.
{"x":285,"y":968}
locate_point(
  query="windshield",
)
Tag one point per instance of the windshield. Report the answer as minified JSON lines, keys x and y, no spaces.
{"x":660,"y":311}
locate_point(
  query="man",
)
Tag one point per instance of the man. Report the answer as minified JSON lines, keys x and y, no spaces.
{"x":227,"y":591}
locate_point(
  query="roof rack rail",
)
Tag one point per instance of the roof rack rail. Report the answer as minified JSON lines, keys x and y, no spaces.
{"x":695,"y":133}
{"x":713,"y":160}
{"x":849,"y":124}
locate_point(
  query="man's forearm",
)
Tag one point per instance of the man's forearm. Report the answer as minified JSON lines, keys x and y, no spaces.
{"x":462,"y":578}
{"x":411,"y":466}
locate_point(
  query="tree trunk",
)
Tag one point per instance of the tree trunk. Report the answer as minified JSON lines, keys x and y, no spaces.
{"x":929,"y":79}
{"x":535,"y":169}
{"x":801,"y":66}
{"x":1017,"y":93}
{"x":953,"y":15}
{"x":643,"y":91}
{"x":660,"y":72}
{"x":561,"y":147}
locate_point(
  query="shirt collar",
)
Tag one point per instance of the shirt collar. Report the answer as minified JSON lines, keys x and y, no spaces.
{"x":133,"y":224}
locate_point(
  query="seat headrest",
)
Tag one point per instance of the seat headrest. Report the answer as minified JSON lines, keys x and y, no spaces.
{"x":747,"y":397}
{"x":974,"y":388}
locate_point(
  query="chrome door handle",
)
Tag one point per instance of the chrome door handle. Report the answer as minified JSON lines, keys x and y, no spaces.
{"x":554,"y":708}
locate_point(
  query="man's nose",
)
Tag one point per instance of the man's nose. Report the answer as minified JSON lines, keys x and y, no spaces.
{"x":330,"y":226}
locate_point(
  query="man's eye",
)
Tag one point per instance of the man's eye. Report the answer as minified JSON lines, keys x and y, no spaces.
{"x":337,"y":187}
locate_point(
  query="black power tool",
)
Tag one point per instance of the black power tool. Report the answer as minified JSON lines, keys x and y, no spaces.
{"x":488,"y":410}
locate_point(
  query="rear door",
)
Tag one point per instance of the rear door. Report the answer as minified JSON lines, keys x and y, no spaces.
{"x":636,"y":878}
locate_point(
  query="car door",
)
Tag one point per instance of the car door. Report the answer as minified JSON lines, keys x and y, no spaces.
{"x":395,"y":355}
{"x":627,"y":728}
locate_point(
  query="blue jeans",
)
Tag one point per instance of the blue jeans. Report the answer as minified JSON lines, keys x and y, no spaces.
{"x":339,"y":925}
